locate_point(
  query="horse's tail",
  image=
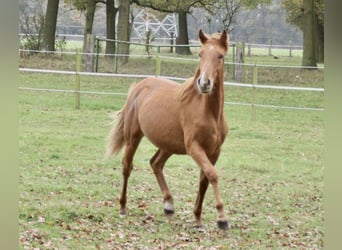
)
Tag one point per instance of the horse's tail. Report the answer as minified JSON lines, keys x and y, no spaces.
{"x":116,"y":139}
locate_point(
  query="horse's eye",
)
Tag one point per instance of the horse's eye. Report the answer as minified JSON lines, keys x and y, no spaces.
{"x":199,"y":55}
{"x":220,"y":56}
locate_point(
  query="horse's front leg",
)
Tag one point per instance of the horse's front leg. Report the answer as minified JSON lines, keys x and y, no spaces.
{"x":200,"y":157}
{"x":203,"y":186}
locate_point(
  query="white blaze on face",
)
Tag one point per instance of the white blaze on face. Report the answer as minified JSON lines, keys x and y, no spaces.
{"x":203,"y":79}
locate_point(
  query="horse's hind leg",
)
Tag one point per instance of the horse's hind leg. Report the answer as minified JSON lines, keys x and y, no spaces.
{"x":127,"y":166}
{"x":157,"y":163}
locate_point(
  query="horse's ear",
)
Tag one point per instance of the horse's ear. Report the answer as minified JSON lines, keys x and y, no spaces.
{"x":224,"y":39}
{"x":202,"y":37}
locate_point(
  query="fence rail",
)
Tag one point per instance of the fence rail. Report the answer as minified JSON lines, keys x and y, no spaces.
{"x":93,"y":56}
{"x":125,"y":94}
{"x":77,"y":92}
{"x":171,"y":43}
{"x":79,"y":37}
{"x":166,"y":57}
{"x":236,"y":84}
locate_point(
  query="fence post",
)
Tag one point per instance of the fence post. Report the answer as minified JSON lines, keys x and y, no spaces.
{"x":233,"y":45}
{"x":90,"y":53}
{"x":97,"y":54}
{"x":116,"y":57}
{"x":249,"y":50}
{"x":290,"y":48}
{"x":255,"y":81}
{"x":171,"y":42}
{"x":270,"y":48}
{"x":158,"y":62}
{"x":77,"y":79}
{"x":240,"y":58}
{"x":148,"y":41}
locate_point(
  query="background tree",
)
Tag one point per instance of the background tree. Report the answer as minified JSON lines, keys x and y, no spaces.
{"x":88,"y":28}
{"x":295,"y":15}
{"x":259,"y":22}
{"x":89,"y":7}
{"x":49,"y":30}
{"x":228,"y":9}
{"x":111,"y":12}
{"x":31,"y":23}
{"x":319,"y":26}
{"x":124,"y":29}
{"x":309,"y":52}
{"x":182,"y":8}
{"x":183,"y":37}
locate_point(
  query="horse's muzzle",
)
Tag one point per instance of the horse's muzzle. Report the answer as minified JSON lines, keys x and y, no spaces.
{"x":204,"y":86}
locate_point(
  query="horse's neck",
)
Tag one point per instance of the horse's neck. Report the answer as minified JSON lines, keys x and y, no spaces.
{"x":212,"y":103}
{"x":215,"y":101}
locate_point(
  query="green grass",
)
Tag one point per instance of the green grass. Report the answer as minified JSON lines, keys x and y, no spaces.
{"x":121,"y":85}
{"x":271,"y":170}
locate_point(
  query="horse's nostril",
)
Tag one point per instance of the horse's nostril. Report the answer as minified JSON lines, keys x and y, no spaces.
{"x":203,"y":84}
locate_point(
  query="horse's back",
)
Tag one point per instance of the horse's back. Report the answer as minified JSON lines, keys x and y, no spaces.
{"x":154,"y":93}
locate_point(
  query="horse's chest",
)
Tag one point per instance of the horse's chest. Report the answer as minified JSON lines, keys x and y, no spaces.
{"x":210,"y":135}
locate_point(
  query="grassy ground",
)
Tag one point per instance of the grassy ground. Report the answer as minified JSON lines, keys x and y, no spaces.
{"x":271,"y":179}
{"x":271,"y":173}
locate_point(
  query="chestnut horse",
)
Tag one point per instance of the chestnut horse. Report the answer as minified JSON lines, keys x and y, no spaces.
{"x":178,"y":119}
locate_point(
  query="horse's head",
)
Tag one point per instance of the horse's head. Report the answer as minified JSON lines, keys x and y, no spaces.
{"x":211,"y":62}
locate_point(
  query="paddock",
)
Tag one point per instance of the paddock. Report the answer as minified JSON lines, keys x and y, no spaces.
{"x":271,"y":171}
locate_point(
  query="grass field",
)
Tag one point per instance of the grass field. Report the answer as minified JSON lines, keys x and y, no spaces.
{"x":271,"y":172}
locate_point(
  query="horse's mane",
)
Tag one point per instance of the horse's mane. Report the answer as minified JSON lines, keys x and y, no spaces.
{"x":185,"y":89}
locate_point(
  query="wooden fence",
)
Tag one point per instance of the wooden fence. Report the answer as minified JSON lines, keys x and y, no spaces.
{"x":238,"y":49}
{"x":238,"y":52}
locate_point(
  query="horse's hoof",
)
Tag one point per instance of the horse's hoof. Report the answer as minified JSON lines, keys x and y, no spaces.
{"x":199,"y":228}
{"x":224,"y":225}
{"x":168,"y":208}
{"x":168,"y":211}
{"x":122,"y":213}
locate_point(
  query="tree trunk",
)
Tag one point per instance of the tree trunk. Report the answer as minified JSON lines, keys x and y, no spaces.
{"x":183,"y":37}
{"x":123,"y":30}
{"x":319,"y":32}
{"x":88,"y":29}
{"x":49,"y":31}
{"x":110,"y":14}
{"x":309,"y":52}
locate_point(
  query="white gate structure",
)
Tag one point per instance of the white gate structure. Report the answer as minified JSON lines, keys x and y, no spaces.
{"x":162,"y":30}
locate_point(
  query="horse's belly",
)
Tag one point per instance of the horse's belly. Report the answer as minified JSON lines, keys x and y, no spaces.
{"x":158,"y":117}
{"x":163,"y":133}
{"x":168,"y":142}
